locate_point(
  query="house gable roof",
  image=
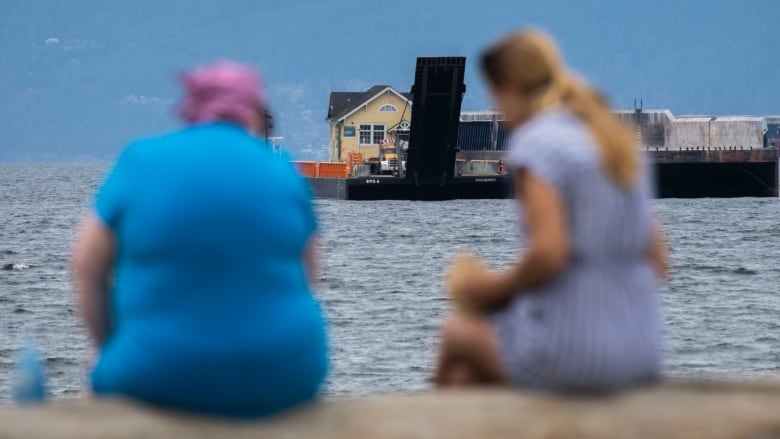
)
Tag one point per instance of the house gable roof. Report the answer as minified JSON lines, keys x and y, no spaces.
{"x":342,"y":104}
{"x":398,"y":125}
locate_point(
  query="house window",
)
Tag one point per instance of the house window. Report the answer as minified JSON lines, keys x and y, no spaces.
{"x":372,"y":134}
{"x":388,"y":109}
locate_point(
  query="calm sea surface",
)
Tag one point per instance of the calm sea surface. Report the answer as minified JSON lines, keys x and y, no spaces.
{"x":381,"y":285}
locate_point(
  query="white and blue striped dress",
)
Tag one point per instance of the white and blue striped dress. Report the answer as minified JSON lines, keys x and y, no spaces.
{"x":596,"y":325}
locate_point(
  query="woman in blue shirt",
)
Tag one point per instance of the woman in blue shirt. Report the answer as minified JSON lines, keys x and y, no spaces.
{"x":194,"y":269}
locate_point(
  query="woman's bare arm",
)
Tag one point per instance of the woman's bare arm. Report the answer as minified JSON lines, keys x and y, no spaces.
{"x":92,"y":263}
{"x":548,"y":244}
{"x":658,"y":253}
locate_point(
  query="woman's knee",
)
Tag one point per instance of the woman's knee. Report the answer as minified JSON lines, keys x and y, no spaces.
{"x":453,"y":330}
{"x":459,"y":331}
{"x":470,"y":349}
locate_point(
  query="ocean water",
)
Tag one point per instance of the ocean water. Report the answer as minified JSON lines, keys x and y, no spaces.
{"x":381,"y":285}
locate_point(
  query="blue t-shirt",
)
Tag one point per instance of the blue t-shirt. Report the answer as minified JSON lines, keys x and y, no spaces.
{"x":211,"y":307}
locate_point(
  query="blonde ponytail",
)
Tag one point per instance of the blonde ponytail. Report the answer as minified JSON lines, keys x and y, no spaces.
{"x":530,"y":61}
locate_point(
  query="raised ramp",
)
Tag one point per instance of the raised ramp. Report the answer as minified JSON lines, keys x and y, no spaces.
{"x":437,"y":95}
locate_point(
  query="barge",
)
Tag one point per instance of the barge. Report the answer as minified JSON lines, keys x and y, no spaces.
{"x":454,"y":155}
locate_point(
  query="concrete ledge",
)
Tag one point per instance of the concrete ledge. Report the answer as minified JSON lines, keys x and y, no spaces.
{"x":671,"y":410}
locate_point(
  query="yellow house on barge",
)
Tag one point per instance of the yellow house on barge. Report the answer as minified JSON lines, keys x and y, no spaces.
{"x":361,"y":122}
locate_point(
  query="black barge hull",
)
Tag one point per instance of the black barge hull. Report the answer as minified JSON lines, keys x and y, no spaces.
{"x":728,"y":174}
{"x":716,"y":180}
{"x":722,"y":173}
{"x":383,"y":188}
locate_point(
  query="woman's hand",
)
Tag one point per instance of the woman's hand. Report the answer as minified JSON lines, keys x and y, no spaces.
{"x":472,"y":284}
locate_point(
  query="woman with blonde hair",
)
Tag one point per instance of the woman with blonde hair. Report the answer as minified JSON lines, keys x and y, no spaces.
{"x":579,"y":310}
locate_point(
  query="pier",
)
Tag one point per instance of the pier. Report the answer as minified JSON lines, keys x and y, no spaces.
{"x":693,"y":156}
{"x":698,"y":156}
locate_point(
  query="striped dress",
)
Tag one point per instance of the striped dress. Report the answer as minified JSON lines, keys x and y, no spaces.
{"x":596,"y":325}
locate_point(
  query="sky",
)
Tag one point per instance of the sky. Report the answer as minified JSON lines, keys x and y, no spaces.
{"x":79,"y":79}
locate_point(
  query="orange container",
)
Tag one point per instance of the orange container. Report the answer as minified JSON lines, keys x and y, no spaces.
{"x":322,"y":169}
{"x":333,"y":170}
{"x":306,"y":169}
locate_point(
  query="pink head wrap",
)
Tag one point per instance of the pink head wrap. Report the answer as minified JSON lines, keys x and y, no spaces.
{"x":222,"y":91}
